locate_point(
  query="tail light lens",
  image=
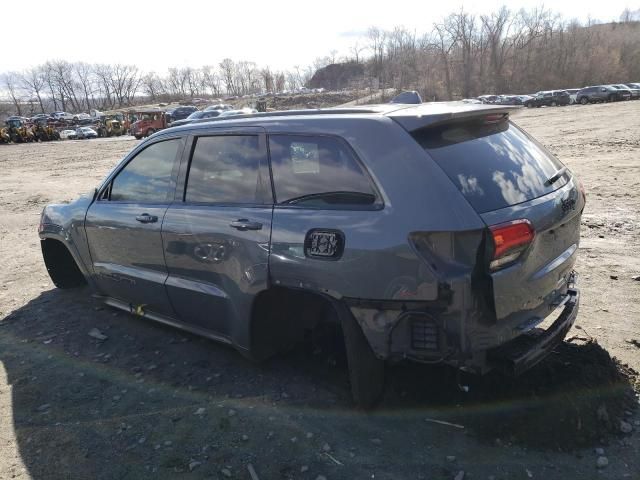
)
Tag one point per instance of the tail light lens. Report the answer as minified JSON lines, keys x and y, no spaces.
{"x":510,"y":240}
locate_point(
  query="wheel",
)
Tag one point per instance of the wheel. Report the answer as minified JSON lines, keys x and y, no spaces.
{"x":584,"y":101}
{"x":150,"y":132}
{"x":138,"y":137}
{"x":366,"y":371}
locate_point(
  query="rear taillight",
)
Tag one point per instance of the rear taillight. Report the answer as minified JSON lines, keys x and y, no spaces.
{"x":510,"y":240}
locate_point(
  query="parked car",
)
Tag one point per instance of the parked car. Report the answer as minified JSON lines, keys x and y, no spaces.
{"x":180,"y":113}
{"x":41,"y":116}
{"x":600,"y":93}
{"x":62,"y":116}
{"x":81,"y":116}
{"x":551,"y":98}
{"x":240,"y":111}
{"x":634,"y":93}
{"x":199,"y":115}
{"x":488,"y":98}
{"x":68,"y":134}
{"x":83,"y":133}
{"x":254,"y":230}
{"x":219,"y":106}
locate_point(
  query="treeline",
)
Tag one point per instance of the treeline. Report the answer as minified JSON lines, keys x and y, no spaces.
{"x":523,"y":51}
{"x":463,"y":55}
{"x":61,"y":85}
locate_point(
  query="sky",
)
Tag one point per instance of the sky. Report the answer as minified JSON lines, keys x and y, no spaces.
{"x":156,"y":35}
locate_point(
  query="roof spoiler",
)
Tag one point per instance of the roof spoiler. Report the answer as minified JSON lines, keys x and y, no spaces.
{"x":431,"y":114}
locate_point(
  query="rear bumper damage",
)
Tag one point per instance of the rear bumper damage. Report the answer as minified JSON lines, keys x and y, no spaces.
{"x":439,"y":334}
{"x":529,"y":349}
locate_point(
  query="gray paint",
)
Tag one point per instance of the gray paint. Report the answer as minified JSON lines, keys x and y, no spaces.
{"x":193,"y":270}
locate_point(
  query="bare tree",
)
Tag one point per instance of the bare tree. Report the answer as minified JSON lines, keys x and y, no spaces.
{"x":10,"y":81}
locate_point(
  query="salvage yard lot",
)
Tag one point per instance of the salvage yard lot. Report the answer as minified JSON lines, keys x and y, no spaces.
{"x":153,"y":402}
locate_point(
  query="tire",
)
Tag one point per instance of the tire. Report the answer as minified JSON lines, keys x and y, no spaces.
{"x":150,"y":132}
{"x":584,"y":101}
{"x":138,"y":137}
{"x":366,"y":371}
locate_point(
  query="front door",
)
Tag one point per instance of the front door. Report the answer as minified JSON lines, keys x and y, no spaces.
{"x":124,"y":224}
{"x":216,"y":234}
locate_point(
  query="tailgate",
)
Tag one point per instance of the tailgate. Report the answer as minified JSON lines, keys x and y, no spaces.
{"x":528,"y":289}
{"x":529,"y":201}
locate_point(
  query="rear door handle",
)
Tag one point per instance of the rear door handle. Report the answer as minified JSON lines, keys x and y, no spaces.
{"x":244,"y":224}
{"x":146,"y":218}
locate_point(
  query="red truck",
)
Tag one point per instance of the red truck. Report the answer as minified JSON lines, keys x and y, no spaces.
{"x":146,"y":122}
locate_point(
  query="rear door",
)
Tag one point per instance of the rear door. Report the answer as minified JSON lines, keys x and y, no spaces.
{"x":508,"y":177}
{"x":123,"y":227}
{"x":216,"y":234}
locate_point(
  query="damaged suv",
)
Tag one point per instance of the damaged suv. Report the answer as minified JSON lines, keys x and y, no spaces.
{"x":439,"y":233}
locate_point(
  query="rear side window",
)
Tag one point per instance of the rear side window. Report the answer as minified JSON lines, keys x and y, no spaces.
{"x":318,"y":171}
{"x":494,"y":165}
{"x":146,"y":178}
{"x":227,"y":169}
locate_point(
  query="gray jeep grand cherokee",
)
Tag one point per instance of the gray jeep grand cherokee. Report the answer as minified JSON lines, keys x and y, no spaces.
{"x":436,"y":233}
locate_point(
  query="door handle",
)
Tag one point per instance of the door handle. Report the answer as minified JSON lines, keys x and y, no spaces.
{"x":244,"y":224}
{"x":146,"y":218}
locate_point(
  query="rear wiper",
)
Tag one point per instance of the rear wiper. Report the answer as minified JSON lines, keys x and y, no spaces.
{"x":360,"y":198}
{"x":556,"y":176}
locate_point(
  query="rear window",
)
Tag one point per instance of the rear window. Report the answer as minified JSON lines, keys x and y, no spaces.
{"x":494,"y":165}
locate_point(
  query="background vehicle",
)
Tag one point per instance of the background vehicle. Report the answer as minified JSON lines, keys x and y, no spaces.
{"x":199,"y":115}
{"x":219,"y":106}
{"x":109,"y":127}
{"x":62,"y":116}
{"x":241,"y":111}
{"x":83,"y":133}
{"x":68,"y":134}
{"x":550,"y":98}
{"x":180,"y":113}
{"x":633,"y":93}
{"x":147,"y":122}
{"x":81,"y":116}
{"x":278,"y":226}
{"x":18,"y":131}
{"x":44,"y":132}
{"x":600,"y":93}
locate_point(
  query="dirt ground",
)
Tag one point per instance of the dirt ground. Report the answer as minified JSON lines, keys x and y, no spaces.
{"x":152,"y":402}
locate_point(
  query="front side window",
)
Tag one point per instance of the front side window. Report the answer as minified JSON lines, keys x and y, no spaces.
{"x":147,"y":177}
{"x":318,"y":171}
{"x":227,"y":169}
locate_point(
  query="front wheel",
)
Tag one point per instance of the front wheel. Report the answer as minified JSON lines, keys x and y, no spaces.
{"x":150,"y":132}
{"x":366,"y":371}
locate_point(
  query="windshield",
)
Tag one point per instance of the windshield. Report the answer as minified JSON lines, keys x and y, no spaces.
{"x":494,"y":165}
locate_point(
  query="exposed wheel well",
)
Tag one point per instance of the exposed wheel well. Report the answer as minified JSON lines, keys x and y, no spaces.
{"x":62,"y":267}
{"x":281,"y":316}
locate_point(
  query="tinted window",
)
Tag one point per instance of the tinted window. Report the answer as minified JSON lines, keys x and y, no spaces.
{"x":226,"y":169}
{"x":317,"y":171}
{"x":146,"y":178}
{"x":494,"y":165}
